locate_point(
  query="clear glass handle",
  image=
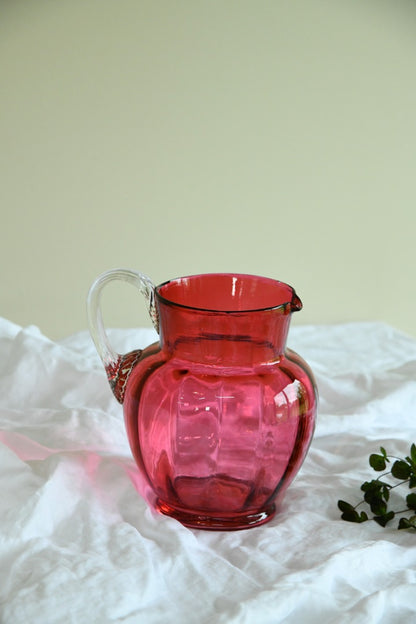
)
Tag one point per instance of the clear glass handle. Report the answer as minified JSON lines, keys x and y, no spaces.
{"x":117,"y":366}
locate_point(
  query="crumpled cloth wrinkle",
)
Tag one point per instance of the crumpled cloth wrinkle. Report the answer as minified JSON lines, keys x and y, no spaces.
{"x":79,"y":544}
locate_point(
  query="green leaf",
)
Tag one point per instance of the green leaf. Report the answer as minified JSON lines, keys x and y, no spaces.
{"x":344,"y":506}
{"x":368,"y":485}
{"x":353,"y":517}
{"x":376,"y":493}
{"x":383,"y":519}
{"x":407,"y":523}
{"x":383,"y":452}
{"x":413,"y":452}
{"x":404,"y":524}
{"x":411,"y":460}
{"x":377,"y":462}
{"x":411,"y":501}
{"x":350,"y":514}
{"x":378,"y":506}
{"x":375,"y":486}
{"x":401,"y":469}
{"x":412,"y":481}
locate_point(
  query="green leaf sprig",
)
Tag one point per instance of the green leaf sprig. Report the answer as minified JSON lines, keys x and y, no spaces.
{"x":377,"y":491}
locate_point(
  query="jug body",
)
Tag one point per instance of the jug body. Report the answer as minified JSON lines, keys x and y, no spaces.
{"x":219,"y":414}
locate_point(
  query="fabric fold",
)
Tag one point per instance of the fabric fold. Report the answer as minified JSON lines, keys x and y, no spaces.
{"x":78,"y":542}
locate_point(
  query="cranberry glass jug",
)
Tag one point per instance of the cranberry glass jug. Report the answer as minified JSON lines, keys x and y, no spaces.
{"x":219,"y":414}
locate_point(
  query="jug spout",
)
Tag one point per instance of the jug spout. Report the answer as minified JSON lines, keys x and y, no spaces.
{"x":296,"y":304}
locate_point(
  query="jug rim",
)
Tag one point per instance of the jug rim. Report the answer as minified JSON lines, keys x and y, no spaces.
{"x":291,"y":303}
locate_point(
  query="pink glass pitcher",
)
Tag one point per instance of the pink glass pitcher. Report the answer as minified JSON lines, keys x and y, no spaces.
{"x":219,"y":414}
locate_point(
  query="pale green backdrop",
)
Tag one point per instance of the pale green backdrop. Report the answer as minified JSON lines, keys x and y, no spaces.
{"x":177,"y":137}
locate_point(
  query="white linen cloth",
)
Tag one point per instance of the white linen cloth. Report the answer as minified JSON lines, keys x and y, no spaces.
{"x":78,"y":544}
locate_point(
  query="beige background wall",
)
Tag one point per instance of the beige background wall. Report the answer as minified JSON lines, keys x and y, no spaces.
{"x":177,"y":137}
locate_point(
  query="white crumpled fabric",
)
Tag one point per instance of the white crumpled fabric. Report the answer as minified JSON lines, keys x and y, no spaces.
{"x":79,"y":545}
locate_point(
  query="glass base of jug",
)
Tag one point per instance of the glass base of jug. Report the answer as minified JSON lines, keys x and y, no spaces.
{"x":211,"y":522}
